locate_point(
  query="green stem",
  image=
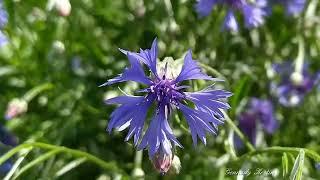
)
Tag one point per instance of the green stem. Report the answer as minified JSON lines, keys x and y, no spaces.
{"x":178,"y":120}
{"x":300,"y":57}
{"x":138,"y":159}
{"x":76,"y":153}
{"x":239,"y":133}
{"x":212,"y":70}
{"x":36,"y":90}
{"x":36,"y":161}
{"x":277,"y":149}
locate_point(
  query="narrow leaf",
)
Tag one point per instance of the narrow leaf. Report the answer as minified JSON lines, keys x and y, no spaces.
{"x":70,"y":166}
{"x":285,"y":164}
{"x":296,"y":172}
{"x":38,"y":160}
{"x":16,"y":165}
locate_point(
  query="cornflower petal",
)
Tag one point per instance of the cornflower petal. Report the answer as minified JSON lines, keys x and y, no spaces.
{"x":134,"y":73}
{"x":148,"y":56}
{"x":159,"y":135}
{"x":191,"y":70}
{"x":199,"y":122}
{"x":131,"y":113}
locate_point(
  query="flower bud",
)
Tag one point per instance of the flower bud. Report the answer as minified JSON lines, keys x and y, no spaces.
{"x":296,"y":78}
{"x":176,"y":164}
{"x":138,"y":173}
{"x":162,"y":162}
{"x":15,"y":108}
{"x":63,"y":7}
{"x":58,"y":47}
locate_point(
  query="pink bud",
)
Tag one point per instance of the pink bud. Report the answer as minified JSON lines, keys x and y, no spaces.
{"x":162,"y":162}
{"x":63,"y":7}
{"x":15,"y":108}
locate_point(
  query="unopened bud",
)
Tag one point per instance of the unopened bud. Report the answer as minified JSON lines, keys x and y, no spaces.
{"x":15,"y":108}
{"x":138,"y":173}
{"x":176,"y":164}
{"x":63,"y":7}
{"x":296,"y":78}
{"x":58,"y":46}
{"x":162,"y":162}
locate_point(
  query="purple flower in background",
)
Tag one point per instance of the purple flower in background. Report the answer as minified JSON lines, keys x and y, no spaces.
{"x":293,"y":7}
{"x":253,"y":12}
{"x":3,"y":39}
{"x":165,"y":89}
{"x":3,"y":15}
{"x":258,"y":111}
{"x":3,"y":22}
{"x":292,"y":87}
{"x":7,"y":138}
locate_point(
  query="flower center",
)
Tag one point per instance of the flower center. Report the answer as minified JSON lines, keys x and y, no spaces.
{"x":165,"y":92}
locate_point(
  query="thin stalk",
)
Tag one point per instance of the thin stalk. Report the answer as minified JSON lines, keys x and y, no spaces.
{"x":212,"y":70}
{"x":76,"y":153}
{"x":239,"y":133}
{"x":277,"y":149}
{"x":300,"y":57}
{"x":36,"y":90}
{"x":138,"y":159}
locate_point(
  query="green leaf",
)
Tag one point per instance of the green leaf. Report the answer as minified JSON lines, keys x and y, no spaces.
{"x":16,"y":165}
{"x":70,"y":166}
{"x":36,"y":161}
{"x":285,"y":164}
{"x":296,"y":173}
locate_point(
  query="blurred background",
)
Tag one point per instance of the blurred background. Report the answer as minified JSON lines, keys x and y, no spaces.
{"x":54,"y":56}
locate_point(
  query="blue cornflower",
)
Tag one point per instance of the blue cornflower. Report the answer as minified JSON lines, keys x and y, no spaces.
{"x":258,"y":111}
{"x":291,"y":90}
{"x":165,"y":90}
{"x":253,"y":12}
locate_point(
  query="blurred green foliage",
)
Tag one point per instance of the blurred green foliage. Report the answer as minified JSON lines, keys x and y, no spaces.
{"x":79,"y":52}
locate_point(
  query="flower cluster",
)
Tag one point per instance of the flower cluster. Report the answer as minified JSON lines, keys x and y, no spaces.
{"x":253,"y":13}
{"x":292,"y":87}
{"x":258,"y":112}
{"x":164,"y":88}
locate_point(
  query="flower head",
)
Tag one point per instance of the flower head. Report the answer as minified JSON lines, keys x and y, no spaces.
{"x":15,"y":108}
{"x":165,"y":90}
{"x":253,"y":12}
{"x":258,"y":111}
{"x":292,"y":86}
